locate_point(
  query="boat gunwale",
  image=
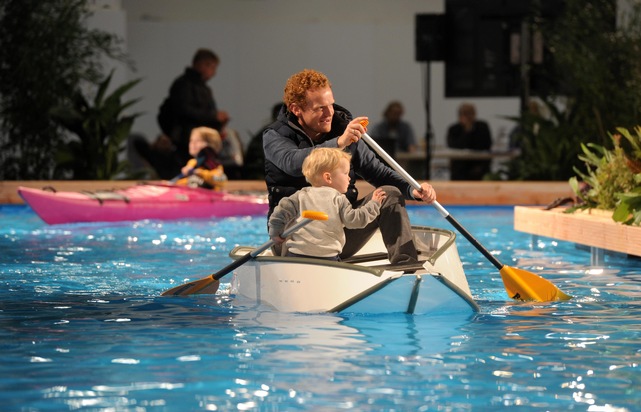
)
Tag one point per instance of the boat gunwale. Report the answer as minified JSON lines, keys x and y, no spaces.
{"x":378,"y":272}
{"x":432,"y":255}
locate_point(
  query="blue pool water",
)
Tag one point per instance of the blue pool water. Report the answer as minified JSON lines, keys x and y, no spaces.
{"x":83,"y":328}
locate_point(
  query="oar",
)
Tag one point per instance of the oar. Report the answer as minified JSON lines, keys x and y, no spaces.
{"x":210,"y":284}
{"x":519,"y":284}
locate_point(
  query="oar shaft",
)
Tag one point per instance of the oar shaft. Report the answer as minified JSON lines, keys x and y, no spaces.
{"x":519,"y":284}
{"x":210,"y":283}
{"x":473,"y":241}
{"x":233,"y":265}
{"x":389,"y":160}
{"x":385,"y":156}
{"x":239,"y":262}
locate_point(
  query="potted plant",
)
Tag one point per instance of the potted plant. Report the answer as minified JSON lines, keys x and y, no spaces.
{"x":613,"y":178}
{"x":102,"y":129}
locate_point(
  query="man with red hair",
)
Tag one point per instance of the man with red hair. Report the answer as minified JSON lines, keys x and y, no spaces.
{"x":310,"y":118}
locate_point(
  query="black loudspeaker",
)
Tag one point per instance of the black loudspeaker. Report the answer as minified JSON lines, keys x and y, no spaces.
{"x":430,"y":37}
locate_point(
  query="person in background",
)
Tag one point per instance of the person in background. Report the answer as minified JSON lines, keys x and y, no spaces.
{"x":529,"y":124}
{"x":232,"y":156}
{"x":254,"y":155}
{"x":469,"y":133}
{"x":151,"y":161}
{"x":310,"y":118}
{"x":191,"y":104}
{"x":327,"y":170}
{"x":204,"y":169}
{"x":393,"y":132}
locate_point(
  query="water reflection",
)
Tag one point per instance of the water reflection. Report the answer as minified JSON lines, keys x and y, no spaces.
{"x":82,"y":327}
{"x":324,"y":356}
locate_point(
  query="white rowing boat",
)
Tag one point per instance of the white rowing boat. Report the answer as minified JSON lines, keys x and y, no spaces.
{"x":365,"y":283}
{"x":368,"y":282}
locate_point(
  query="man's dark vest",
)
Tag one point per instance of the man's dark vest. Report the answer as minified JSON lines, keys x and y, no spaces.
{"x":280,"y":184}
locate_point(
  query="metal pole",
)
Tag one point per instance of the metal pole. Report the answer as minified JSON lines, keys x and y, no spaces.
{"x":428,"y":131}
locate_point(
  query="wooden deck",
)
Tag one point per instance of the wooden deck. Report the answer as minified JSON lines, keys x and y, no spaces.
{"x":449,"y":193}
{"x":593,"y":228}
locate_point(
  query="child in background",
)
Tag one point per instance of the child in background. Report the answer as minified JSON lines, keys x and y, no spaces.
{"x":327,"y":170}
{"x":204,"y":170}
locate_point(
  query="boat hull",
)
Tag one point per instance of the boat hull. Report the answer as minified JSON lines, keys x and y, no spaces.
{"x":145,"y":201}
{"x":374,"y":286}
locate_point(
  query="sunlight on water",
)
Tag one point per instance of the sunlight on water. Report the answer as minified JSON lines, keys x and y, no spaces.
{"x":84,"y":328}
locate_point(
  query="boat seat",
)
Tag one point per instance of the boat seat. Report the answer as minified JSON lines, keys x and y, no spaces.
{"x":372,"y":257}
{"x":105,"y":195}
{"x":368,"y":257}
{"x":409,"y":267}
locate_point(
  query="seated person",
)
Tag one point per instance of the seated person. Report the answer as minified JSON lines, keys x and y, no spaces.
{"x":469,"y":133}
{"x":159,"y":155}
{"x":327,"y":170}
{"x":393,"y":133}
{"x":204,"y":169}
{"x":231,"y":156}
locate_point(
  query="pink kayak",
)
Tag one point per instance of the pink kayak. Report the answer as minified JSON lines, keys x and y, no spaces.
{"x":145,"y":201}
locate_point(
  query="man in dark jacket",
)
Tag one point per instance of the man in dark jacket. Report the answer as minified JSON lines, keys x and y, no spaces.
{"x":309,"y":119}
{"x":191,"y":103}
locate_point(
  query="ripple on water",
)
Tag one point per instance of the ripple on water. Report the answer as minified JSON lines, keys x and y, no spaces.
{"x":83,"y":327}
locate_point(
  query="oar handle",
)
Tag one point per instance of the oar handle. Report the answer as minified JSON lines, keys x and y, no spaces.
{"x":285,"y":234}
{"x":307,"y":218}
{"x":394,"y":164}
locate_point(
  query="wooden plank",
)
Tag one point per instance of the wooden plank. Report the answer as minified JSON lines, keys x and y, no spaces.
{"x":9,"y":189}
{"x":593,"y":228}
{"x":500,"y":192}
{"x":448,"y":193}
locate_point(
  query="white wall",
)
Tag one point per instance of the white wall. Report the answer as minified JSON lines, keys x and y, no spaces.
{"x":109,"y":16}
{"x":365,"y":47}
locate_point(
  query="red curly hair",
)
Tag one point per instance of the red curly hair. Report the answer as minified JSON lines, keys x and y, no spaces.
{"x":298,"y":85}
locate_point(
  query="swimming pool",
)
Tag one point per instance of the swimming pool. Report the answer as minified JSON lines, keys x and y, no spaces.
{"x":84,"y":328}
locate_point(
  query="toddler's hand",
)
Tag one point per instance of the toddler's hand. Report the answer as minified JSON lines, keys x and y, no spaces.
{"x":379,"y":195}
{"x":277,"y":240}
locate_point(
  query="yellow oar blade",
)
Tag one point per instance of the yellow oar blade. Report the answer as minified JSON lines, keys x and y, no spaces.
{"x":206,"y":285}
{"x":523,"y":285}
{"x":314,"y":215}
